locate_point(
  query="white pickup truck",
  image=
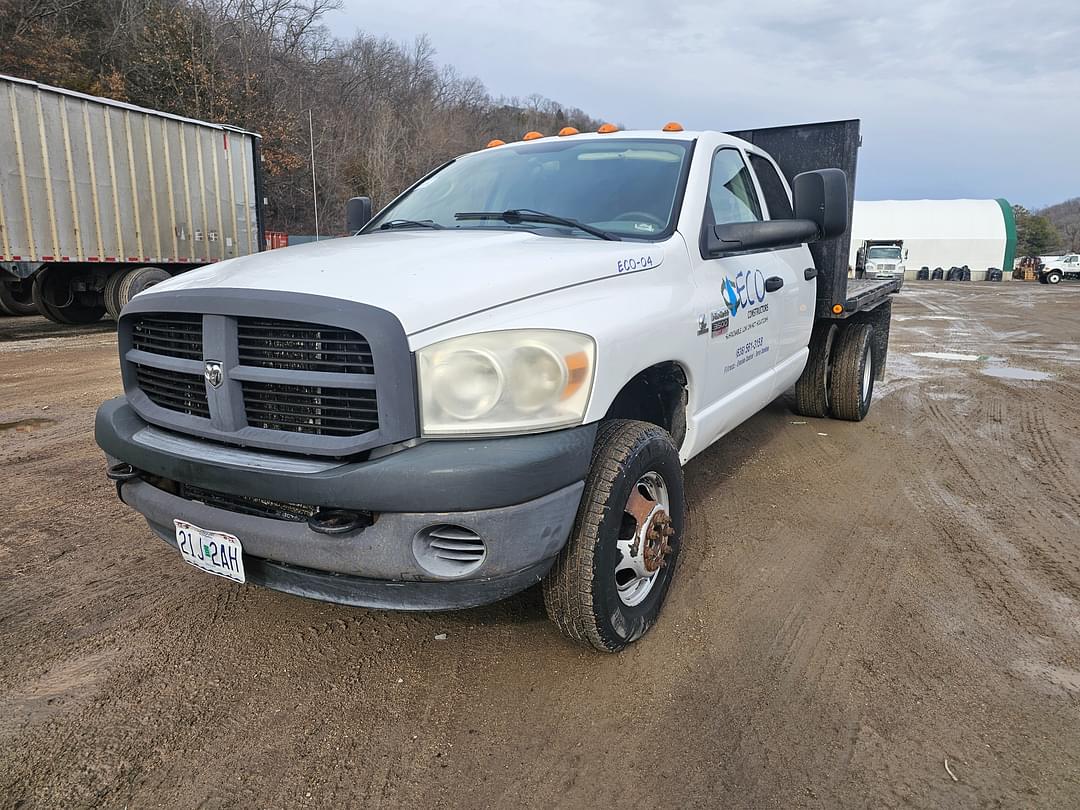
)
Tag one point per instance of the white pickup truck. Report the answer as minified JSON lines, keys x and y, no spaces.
{"x":496,"y":381}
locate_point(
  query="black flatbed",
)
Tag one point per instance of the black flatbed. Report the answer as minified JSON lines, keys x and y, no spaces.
{"x":863,"y":294}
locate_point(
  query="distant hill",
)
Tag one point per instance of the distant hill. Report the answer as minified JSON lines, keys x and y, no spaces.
{"x":1065,"y":216}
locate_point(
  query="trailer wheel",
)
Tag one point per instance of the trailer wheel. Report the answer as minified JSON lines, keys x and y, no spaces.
{"x":610,"y":580}
{"x":812,"y":387}
{"x":135,"y":281}
{"x":17,"y":298}
{"x":112,"y":300}
{"x":851,"y":383}
{"x":60,"y":303}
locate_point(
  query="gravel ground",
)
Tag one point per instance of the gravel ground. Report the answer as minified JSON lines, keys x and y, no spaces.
{"x":882,"y":614}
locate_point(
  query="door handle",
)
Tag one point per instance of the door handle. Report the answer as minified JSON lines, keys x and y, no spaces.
{"x":773,"y":283}
{"x":810,"y":273}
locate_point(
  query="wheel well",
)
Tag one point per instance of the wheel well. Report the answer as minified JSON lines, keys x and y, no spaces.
{"x":657,"y":395}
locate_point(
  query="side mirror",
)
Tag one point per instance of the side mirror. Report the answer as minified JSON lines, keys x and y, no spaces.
{"x":821,"y":196}
{"x":738,"y":237}
{"x":357,"y":213}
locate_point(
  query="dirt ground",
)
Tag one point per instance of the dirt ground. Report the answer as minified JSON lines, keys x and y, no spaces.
{"x":857,"y":605}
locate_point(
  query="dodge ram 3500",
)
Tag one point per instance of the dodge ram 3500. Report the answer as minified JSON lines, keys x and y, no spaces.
{"x":496,"y":381}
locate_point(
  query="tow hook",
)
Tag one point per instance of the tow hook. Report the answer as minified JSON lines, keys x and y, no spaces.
{"x":338,"y":521}
{"x":120,"y":474}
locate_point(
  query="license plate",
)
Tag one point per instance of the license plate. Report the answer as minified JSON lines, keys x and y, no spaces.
{"x":214,"y":552}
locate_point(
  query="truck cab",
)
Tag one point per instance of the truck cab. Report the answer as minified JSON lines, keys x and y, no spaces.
{"x":881,"y":259}
{"x":496,"y":381}
{"x":1067,"y":266}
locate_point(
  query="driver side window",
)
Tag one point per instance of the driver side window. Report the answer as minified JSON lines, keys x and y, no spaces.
{"x":731,"y":190}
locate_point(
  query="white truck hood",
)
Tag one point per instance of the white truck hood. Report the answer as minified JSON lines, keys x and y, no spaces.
{"x":427,"y":277}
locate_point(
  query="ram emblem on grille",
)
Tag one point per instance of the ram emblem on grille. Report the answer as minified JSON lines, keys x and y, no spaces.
{"x":214,"y":373}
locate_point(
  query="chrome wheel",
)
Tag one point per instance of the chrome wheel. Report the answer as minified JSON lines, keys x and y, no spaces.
{"x":643,"y":539}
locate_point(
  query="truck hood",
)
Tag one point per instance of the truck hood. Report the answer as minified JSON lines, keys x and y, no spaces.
{"x":427,"y":277}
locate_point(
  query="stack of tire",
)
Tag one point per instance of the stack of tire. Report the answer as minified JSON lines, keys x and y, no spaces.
{"x":923,"y":274}
{"x":16,"y":298}
{"x":938,"y":274}
{"x":994,"y":274}
{"x":62,"y":295}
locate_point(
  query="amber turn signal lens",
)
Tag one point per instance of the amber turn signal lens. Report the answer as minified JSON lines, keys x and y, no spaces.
{"x":837,"y":308}
{"x":577,"y":367}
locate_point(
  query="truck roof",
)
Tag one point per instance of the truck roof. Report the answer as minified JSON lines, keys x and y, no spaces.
{"x":124,"y":105}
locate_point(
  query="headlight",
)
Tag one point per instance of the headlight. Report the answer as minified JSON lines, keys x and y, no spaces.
{"x":517,"y":381}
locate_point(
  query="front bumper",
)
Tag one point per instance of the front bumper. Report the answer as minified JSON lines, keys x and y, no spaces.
{"x":519,"y":494}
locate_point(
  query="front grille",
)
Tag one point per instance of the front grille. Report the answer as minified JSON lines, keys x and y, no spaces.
{"x":310,"y":409}
{"x":174,"y":390}
{"x":267,"y":343}
{"x":173,"y":334}
{"x":244,"y":505}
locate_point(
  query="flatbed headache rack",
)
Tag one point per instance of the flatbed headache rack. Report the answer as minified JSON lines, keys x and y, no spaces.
{"x":829,"y":144}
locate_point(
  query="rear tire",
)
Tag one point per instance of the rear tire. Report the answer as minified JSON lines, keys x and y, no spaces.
{"x":583,"y":595}
{"x":135,"y":281}
{"x":851,"y":383}
{"x":57,"y":301}
{"x":112,"y":299}
{"x":17,"y":299}
{"x":812,"y":387}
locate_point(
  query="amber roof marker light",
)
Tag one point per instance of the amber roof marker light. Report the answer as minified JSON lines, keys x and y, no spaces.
{"x":606,"y":129}
{"x":567,"y":131}
{"x":532,"y":136}
{"x":673,"y":126}
{"x":495,"y":142}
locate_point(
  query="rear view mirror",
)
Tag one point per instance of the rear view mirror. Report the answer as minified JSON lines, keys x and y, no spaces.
{"x":357,"y":213}
{"x":821,"y":196}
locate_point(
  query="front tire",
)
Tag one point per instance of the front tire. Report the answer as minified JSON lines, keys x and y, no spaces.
{"x":851,"y":382}
{"x":1053,"y":277}
{"x":610,"y":580}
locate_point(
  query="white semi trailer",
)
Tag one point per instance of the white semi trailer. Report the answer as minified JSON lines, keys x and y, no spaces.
{"x":100,"y":200}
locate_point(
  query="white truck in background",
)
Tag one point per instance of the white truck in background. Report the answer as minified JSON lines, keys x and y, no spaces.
{"x":497,"y":380}
{"x":1054,"y":270}
{"x":881,"y":258}
{"x":100,"y":200}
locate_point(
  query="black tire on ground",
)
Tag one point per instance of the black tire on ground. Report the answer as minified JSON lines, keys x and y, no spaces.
{"x":17,"y":299}
{"x":1053,"y":277}
{"x":135,"y":281}
{"x":1042,"y":279}
{"x":850,"y":386}
{"x":812,"y":388}
{"x":580,"y":593}
{"x":112,"y":301}
{"x":57,"y":301}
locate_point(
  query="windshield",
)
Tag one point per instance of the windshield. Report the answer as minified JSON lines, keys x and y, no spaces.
{"x":884,"y":253}
{"x":625,"y":187}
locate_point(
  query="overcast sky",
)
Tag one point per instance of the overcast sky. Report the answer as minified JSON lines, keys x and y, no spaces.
{"x":958,"y":98}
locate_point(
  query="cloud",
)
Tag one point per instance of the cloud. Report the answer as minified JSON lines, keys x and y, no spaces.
{"x":957,"y":97}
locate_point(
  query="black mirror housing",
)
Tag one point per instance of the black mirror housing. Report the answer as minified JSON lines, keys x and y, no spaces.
{"x":357,"y":213}
{"x":739,"y":237}
{"x":821,"y":196}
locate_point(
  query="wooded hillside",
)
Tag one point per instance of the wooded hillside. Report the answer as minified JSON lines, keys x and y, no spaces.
{"x":1065,"y":217}
{"x":383,"y":113}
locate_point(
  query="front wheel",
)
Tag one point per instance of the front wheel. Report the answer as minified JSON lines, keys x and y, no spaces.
{"x":1053,"y":277}
{"x":609,"y":582}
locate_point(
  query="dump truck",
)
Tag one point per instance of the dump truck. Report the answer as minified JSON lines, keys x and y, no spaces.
{"x":100,"y":200}
{"x":497,"y":380}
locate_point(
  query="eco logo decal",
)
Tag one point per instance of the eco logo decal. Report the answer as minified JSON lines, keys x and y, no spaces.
{"x":731,"y":297}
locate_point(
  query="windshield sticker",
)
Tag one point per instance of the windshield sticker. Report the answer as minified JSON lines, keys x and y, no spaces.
{"x":632,"y":264}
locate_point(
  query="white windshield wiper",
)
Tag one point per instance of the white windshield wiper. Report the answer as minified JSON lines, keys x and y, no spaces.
{"x":517,"y":215}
